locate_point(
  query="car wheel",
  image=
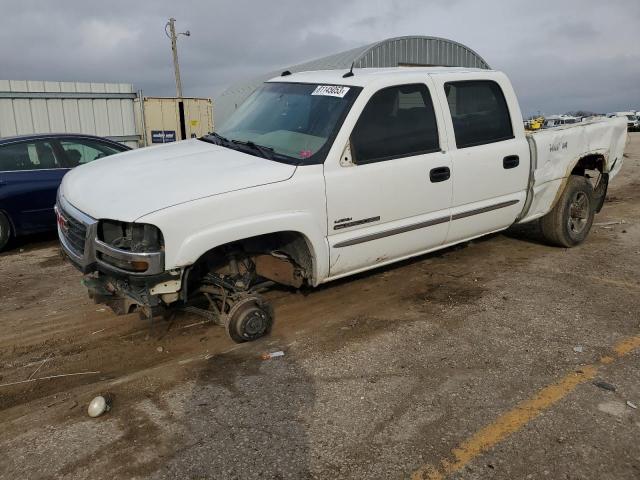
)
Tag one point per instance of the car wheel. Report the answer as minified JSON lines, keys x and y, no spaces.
{"x":5,"y":231}
{"x":570,"y":220}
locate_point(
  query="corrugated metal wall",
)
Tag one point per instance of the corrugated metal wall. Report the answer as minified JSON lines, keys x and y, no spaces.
{"x":103,"y":109}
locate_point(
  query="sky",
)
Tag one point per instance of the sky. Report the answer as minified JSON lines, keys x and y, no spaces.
{"x":560,"y":55}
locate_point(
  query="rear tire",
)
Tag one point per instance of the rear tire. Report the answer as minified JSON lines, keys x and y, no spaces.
{"x":5,"y":231}
{"x":569,"y":222}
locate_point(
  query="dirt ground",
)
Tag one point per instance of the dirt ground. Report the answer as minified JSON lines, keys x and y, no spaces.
{"x":475,"y":362}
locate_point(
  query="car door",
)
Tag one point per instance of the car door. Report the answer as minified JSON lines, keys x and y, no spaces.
{"x":30,"y":174}
{"x":489,"y":153}
{"x":389,"y":194}
{"x":78,"y":151}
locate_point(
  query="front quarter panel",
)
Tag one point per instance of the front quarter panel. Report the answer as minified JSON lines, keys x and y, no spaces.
{"x":298,"y":204}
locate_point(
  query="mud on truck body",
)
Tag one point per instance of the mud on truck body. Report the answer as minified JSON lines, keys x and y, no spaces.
{"x":321,"y":175}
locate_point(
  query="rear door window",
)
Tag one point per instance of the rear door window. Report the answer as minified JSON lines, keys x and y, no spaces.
{"x":81,"y":151}
{"x":479,"y":112}
{"x":397,"y":122}
{"x":37,"y":155}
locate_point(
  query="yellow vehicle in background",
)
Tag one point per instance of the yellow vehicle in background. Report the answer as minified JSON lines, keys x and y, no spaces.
{"x":534,"y":123}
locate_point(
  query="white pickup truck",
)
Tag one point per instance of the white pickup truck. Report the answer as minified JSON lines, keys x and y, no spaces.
{"x":320,"y":175}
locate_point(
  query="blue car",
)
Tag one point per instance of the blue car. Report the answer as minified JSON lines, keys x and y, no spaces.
{"x":31,"y":169}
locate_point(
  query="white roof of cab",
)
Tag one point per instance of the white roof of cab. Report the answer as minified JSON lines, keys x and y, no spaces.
{"x":364,"y":76}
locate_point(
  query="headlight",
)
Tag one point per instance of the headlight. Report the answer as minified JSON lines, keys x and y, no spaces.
{"x":130,"y":247}
{"x":134,"y":237}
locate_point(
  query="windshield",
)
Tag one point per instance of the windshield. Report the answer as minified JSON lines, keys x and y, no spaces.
{"x":631,"y":117}
{"x":298,"y":121}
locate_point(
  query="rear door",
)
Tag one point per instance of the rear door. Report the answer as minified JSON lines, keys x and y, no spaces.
{"x":489,"y":154}
{"x":30,"y":174}
{"x":389,"y":196}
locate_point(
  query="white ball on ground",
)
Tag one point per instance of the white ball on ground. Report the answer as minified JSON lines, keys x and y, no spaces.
{"x":98,"y":406}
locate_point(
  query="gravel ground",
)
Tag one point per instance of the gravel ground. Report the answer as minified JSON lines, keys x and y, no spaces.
{"x":405,"y":369}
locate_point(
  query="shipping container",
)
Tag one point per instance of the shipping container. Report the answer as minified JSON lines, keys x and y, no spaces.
{"x":168,"y":119}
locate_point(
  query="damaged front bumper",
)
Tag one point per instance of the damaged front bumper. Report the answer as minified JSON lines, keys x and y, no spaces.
{"x":107,"y":275}
{"x":122,"y":294}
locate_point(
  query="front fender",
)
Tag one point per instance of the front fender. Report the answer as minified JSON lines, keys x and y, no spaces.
{"x":297,"y":205}
{"x":198,"y":243}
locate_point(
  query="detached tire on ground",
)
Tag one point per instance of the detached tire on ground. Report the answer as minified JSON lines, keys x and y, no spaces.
{"x":568,"y":224}
{"x":5,"y":231}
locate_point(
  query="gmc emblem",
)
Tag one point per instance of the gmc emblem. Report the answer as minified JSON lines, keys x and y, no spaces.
{"x":62,"y":222}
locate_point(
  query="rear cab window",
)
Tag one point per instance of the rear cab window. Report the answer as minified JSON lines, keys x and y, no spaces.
{"x":479,"y":112}
{"x":34,"y":155}
{"x":397,"y":122}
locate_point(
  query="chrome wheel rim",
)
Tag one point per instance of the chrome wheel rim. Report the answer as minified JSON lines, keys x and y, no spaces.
{"x":578,"y":213}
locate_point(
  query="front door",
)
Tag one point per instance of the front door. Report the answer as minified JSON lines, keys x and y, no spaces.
{"x":389,"y":194}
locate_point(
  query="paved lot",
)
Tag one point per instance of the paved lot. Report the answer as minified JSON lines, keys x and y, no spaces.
{"x":460,"y":364}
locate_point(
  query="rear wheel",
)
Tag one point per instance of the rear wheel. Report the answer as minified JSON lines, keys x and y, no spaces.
{"x":569,"y":222}
{"x":5,"y":231}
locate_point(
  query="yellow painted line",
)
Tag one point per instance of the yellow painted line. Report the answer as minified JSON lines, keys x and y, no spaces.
{"x":515,"y":419}
{"x":606,"y":360}
{"x":627,"y":346}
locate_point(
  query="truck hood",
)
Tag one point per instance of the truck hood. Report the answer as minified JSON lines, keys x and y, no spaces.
{"x":132,"y":184}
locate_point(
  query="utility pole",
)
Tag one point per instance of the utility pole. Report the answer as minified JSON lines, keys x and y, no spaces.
{"x":173,"y":36}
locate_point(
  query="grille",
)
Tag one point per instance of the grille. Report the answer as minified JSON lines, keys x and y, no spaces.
{"x":75,"y":233}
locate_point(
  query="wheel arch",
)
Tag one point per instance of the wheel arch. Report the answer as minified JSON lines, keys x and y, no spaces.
{"x":579,"y":167}
{"x":591,"y":161}
{"x":307,"y":252}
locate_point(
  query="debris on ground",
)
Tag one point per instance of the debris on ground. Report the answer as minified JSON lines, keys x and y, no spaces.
{"x":632,"y":405}
{"x":160,"y":349}
{"x":606,"y":224}
{"x":47,"y":378}
{"x":269,"y":356}
{"x":604,"y":385}
{"x":100,"y":405}
{"x":39,"y":367}
{"x":578,"y":349}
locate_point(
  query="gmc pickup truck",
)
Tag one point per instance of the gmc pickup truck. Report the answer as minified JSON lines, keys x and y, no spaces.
{"x":320,"y":175}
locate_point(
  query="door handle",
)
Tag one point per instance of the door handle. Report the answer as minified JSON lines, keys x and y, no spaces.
{"x":511,"y":161}
{"x":439,"y":174}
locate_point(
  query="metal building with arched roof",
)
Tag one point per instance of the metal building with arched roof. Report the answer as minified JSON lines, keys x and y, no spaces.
{"x":392,"y":52}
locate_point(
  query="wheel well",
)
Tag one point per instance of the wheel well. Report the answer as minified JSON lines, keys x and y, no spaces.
{"x":592,"y":167}
{"x":294,"y":245}
{"x":589,"y":162}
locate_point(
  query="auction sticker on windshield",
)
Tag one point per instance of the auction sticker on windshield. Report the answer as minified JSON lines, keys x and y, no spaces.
{"x":330,"y":90}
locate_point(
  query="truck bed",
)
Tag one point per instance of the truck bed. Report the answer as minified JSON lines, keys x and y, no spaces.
{"x":555,"y":151}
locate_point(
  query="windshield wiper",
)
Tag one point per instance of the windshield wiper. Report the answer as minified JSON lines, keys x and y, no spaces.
{"x":266,"y":152}
{"x":219,"y":139}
